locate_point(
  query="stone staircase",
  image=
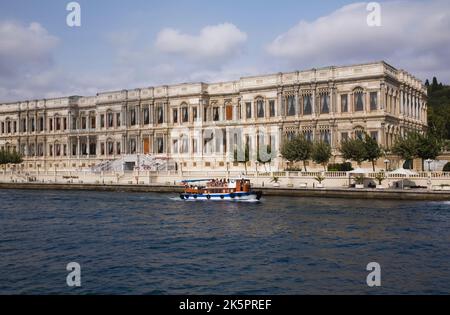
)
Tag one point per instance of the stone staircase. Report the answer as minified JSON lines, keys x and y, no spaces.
{"x":141,"y":162}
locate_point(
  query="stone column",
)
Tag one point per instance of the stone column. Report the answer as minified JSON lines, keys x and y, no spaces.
{"x":78,"y":147}
{"x":280,"y":103}
{"x":313,"y":103}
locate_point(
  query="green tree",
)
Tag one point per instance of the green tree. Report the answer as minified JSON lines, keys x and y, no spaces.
{"x":373,"y":150}
{"x":406,"y":147}
{"x":296,"y":150}
{"x":447,"y":167}
{"x":267,"y":157}
{"x":321,"y":153}
{"x":7,"y":157}
{"x":428,"y":147}
{"x":245,"y":158}
{"x":355,"y":150}
{"x":439,"y":110}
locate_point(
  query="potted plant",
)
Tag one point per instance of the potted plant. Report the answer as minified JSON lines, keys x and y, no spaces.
{"x":319,"y":179}
{"x":276,"y":181}
{"x":380,"y":177}
{"x":359,"y":180}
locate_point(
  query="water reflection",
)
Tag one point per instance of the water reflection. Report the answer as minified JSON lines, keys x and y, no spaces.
{"x":150,"y":244}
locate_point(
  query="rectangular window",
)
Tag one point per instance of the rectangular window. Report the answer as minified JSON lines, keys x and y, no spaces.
{"x":58,"y":123}
{"x":309,"y":136}
{"x":185,"y":114}
{"x":3,"y":127}
{"x":359,"y":134}
{"x":110,"y":148}
{"x":160,"y":145}
{"x":272,"y":108}
{"x":83,"y":148}
{"x":248,"y":110}
{"x":50,"y":124}
{"x":57,"y":149}
{"x":229,"y":112}
{"x":110,"y":120}
{"x":325,"y":104}
{"x":374,"y":135}
{"x":83,"y":123}
{"x":102,"y":148}
{"x":133,"y":146}
{"x":50,"y":150}
{"x":32,"y":151}
{"x":205,"y":114}
{"x":92,"y":148}
{"x":344,"y":103}
{"x":74,"y":123}
{"x":160,"y":113}
{"x":93,"y":122}
{"x":102,"y":121}
{"x":359,"y":102}
{"x":118,"y":146}
{"x":64,"y":123}
{"x":40,"y":149}
{"x":291,"y":105}
{"x":216,"y":113}
{"x":118,"y":122}
{"x":325,"y":136}
{"x":307,"y":107}
{"x":146,"y":116}
{"x":260,"y":108}
{"x":184,"y":145}
{"x":373,"y":100}
{"x":175,"y":116}
{"x":74,"y":149}
{"x":175,"y":146}
{"x":41,"y":123}
{"x":194,"y":113}
{"x":344,"y":136}
{"x":133,"y":117}
{"x":194,"y":146}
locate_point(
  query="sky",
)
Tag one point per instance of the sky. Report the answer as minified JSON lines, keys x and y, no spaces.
{"x":140,"y":43}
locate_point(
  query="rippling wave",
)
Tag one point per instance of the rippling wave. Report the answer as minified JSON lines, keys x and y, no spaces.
{"x":151,"y":244}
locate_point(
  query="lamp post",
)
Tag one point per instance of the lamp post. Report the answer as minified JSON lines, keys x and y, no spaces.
{"x":349,"y":174}
{"x":429,"y":161}
{"x":386,"y":162}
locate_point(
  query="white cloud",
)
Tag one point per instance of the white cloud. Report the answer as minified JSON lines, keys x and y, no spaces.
{"x":214,"y":42}
{"x":413,"y":35}
{"x":24,"y":47}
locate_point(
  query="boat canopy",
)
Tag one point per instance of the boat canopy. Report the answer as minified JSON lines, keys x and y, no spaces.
{"x":184,"y":181}
{"x":196,"y":180}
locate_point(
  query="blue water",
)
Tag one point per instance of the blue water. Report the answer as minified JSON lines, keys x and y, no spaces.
{"x":128,"y":243}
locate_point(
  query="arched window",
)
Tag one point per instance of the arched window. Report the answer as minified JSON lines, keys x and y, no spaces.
{"x":260,"y":108}
{"x":184,"y":113}
{"x":307,"y":107}
{"x":358,"y":99}
{"x":325,"y":103}
{"x":359,"y":132}
{"x":291,"y":105}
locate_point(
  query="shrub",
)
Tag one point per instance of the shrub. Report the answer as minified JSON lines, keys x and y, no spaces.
{"x":447,"y":167}
{"x":319,"y":178}
{"x":340,"y":167}
{"x":293,"y":169}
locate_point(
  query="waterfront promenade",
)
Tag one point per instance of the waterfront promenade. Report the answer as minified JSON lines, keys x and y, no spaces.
{"x":420,"y":186}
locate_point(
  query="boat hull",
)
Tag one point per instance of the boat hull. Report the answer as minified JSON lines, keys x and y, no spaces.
{"x":238,"y":196}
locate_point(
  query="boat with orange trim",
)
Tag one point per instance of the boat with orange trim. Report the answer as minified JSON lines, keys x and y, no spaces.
{"x":239,"y":189}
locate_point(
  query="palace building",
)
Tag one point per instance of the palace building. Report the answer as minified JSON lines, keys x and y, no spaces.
{"x":181,"y":122}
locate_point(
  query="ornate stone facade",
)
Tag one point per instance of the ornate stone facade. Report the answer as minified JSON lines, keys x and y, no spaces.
{"x":180,"y":121}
